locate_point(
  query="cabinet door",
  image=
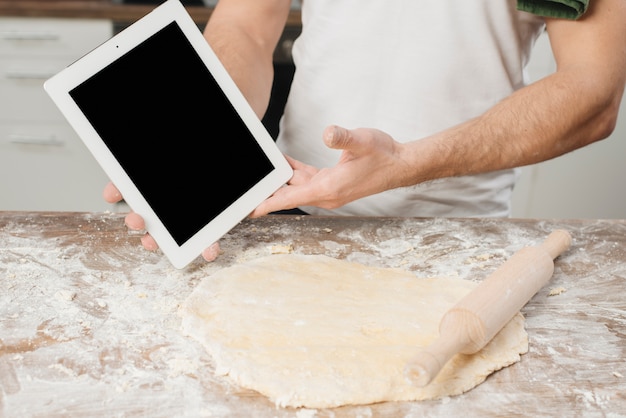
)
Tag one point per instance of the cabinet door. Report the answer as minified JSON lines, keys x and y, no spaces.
{"x":51,"y":37}
{"x":47,"y":167}
{"x":43,"y":164}
{"x":21,"y":83}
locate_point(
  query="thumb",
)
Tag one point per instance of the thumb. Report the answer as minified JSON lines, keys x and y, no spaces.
{"x":336,"y":137}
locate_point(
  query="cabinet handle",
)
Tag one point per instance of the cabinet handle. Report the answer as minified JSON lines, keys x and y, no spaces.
{"x":29,"y":36}
{"x":35,"y":140}
{"x":28,"y":75}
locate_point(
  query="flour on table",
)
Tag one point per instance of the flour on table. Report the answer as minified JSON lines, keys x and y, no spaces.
{"x":317,"y":332}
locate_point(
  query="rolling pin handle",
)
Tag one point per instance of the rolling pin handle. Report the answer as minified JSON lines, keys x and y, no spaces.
{"x":455,"y":332}
{"x":417,"y":372}
{"x":557,"y":242}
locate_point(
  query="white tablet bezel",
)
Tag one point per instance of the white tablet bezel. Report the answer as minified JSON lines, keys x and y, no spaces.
{"x":59,"y":86}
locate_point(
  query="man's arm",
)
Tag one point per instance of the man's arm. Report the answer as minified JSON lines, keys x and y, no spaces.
{"x":573,"y":107}
{"x":244,"y":34}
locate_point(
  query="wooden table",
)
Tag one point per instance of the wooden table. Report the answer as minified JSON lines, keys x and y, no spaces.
{"x":89,"y":323}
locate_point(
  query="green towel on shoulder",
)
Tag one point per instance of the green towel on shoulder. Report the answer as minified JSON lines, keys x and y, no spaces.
{"x":566,"y":9}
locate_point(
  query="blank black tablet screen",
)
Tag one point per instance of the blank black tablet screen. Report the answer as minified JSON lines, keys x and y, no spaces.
{"x":171,"y":127}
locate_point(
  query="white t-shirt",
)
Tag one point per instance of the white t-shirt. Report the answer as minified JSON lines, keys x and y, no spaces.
{"x":410,"y":68}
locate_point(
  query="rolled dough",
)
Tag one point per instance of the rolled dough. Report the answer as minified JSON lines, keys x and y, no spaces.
{"x":316,"y":332}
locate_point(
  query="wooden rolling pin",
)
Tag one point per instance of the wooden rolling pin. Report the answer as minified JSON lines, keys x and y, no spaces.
{"x":479,"y":316}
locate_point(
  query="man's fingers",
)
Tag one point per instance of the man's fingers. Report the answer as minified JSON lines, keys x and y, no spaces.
{"x":211,"y":252}
{"x":111,"y":194}
{"x":149,"y":243}
{"x":137,"y":226}
{"x":134,"y":222}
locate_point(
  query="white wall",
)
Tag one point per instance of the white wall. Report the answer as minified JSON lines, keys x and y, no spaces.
{"x":587,"y":183}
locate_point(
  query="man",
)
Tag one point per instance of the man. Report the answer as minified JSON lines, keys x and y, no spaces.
{"x":420,"y":108}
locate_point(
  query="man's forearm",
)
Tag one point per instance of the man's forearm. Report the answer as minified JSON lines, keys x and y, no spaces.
{"x":247,"y":67}
{"x":243,"y":35}
{"x":547,"y":119}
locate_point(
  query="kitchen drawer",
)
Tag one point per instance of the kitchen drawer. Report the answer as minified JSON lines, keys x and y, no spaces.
{"x":21,"y":82}
{"x":52,"y":36}
{"x":47,"y":167}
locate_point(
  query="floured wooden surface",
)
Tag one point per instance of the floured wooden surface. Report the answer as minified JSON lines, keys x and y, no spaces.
{"x":89,"y":321}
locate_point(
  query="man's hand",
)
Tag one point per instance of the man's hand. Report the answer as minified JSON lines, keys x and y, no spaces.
{"x":371,"y":162}
{"x":136,"y":223}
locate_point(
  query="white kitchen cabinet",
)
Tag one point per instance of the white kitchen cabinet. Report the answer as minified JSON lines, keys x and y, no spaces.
{"x":587,"y":183}
{"x":43,"y":164}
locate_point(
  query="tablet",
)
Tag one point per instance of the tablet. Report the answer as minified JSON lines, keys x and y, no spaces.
{"x":172,"y":131}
